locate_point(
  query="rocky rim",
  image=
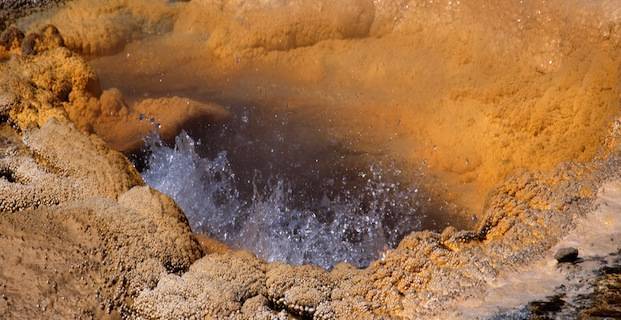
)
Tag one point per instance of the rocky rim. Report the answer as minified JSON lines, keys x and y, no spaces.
{"x":81,"y":236}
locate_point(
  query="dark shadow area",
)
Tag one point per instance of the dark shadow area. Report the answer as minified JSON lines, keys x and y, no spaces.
{"x":8,"y":175}
{"x":262,"y":146}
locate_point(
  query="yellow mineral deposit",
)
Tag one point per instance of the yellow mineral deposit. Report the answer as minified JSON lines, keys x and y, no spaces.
{"x":475,"y":89}
{"x":502,"y":114}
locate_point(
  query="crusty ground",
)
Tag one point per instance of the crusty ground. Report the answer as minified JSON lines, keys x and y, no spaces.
{"x":57,"y":83}
{"x":79,"y":233}
{"x":472,"y":90}
{"x":115,"y":246}
{"x":47,"y":173}
{"x":88,"y":257}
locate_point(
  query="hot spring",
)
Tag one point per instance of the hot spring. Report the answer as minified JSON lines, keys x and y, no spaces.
{"x":283,"y":200}
{"x":336,"y":147}
{"x":415,"y":151}
{"x":276,"y":219}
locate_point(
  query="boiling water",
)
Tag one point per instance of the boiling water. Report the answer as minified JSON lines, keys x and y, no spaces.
{"x":353,"y":226}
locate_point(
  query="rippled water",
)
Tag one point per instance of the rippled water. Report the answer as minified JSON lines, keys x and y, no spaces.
{"x":354,"y":226}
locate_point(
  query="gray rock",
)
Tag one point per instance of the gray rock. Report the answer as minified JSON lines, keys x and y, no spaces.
{"x":566,"y":255}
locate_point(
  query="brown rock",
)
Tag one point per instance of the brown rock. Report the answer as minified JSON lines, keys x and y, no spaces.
{"x":124,"y":128}
{"x":85,"y":257}
{"x":11,"y":38}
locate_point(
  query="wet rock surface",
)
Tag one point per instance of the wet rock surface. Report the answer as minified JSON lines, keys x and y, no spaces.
{"x":599,"y":295}
{"x":606,"y":299}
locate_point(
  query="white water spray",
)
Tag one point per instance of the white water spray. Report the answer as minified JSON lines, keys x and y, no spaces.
{"x":269,"y":223}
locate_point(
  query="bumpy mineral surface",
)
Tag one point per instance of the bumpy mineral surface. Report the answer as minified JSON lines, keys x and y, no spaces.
{"x":475,"y":90}
{"x":81,"y":236}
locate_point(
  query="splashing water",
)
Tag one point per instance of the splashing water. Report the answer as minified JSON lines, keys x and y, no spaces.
{"x":352,"y":227}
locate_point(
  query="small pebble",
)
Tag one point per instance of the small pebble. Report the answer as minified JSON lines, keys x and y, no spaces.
{"x":568,"y":254}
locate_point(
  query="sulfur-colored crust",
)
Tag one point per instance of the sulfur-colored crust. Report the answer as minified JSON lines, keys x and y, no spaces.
{"x":80,"y":236}
{"x":88,"y":257}
{"x":49,"y":172}
{"x":44,"y":80}
{"x":465,"y":88}
{"x":111,"y":24}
